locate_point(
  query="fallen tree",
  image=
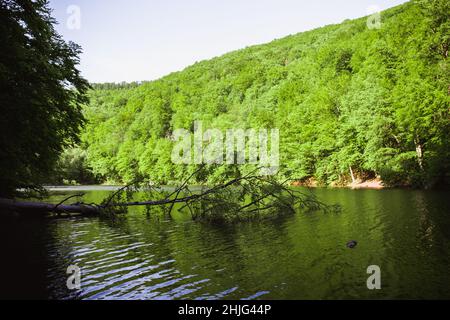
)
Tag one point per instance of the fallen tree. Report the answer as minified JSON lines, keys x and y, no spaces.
{"x":239,"y":199}
{"x":40,"y":207}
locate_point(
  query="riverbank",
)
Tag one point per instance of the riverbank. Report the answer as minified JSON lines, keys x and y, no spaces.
{"x":368,"y":184}
{"x":375,"y":183}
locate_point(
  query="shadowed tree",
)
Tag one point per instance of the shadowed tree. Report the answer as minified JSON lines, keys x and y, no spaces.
{"x":41,"y":94}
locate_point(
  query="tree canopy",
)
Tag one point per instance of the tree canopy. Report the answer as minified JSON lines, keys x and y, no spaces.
{"x":348,"y":100}
{"x":41,"y":94}
{"x":345,"y":97}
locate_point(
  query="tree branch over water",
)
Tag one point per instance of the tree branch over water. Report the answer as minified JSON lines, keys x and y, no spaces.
{"x":240,"y":199}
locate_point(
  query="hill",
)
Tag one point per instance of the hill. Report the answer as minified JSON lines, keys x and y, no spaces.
{"x":347,"y":99}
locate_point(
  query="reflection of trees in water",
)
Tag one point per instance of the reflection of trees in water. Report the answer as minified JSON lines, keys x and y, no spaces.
{"x":226,"y":259}
{"x":301,"y":256}
{"x":427,"y":226}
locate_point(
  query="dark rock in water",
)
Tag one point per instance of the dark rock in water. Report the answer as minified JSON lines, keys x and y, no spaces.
{"x":351,"y":244}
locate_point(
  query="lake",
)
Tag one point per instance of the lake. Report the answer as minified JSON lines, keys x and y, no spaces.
{"x":303,"y":256}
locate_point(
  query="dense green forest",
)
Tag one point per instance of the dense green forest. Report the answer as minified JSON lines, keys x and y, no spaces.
{"x":345,"y":98}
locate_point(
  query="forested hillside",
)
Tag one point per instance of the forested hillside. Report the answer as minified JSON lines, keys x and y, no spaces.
{"x":343,"y":96}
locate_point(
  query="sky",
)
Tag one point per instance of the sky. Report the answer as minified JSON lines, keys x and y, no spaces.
{"x":137,"y":40}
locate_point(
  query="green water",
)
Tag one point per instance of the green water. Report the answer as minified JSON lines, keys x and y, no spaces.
{"x":304,"y":256}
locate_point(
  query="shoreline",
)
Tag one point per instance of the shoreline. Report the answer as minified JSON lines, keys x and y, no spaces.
{"x":370,"y":184}
{"x":374,"y":184}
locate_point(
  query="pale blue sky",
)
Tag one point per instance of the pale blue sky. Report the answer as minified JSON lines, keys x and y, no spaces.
{"x":134,"y":40}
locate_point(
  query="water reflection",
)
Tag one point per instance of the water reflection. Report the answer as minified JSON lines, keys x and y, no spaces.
{"x":141,"y":256}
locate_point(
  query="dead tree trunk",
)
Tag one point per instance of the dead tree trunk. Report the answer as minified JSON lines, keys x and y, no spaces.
{"x":23,"y":206}
{"x":230,"y":198}
{"x":419,"y":152}
{"x":352,"y":175}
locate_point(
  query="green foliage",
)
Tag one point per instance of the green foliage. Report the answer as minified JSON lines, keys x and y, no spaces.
{"x":41,"y":94}
{"x":240,"y":199}
{"x":72,"y":168}
{"x":375,"y":100}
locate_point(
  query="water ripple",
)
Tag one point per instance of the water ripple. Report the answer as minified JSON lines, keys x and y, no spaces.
{"x":298,"y":257}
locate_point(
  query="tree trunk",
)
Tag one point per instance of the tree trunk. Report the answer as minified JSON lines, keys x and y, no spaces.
{"x":23,"y":206}
{"x":419,"y":151}
{"x":352,"y":175}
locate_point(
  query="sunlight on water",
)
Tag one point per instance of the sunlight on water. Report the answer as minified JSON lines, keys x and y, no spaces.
{"x":139,"y":256}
